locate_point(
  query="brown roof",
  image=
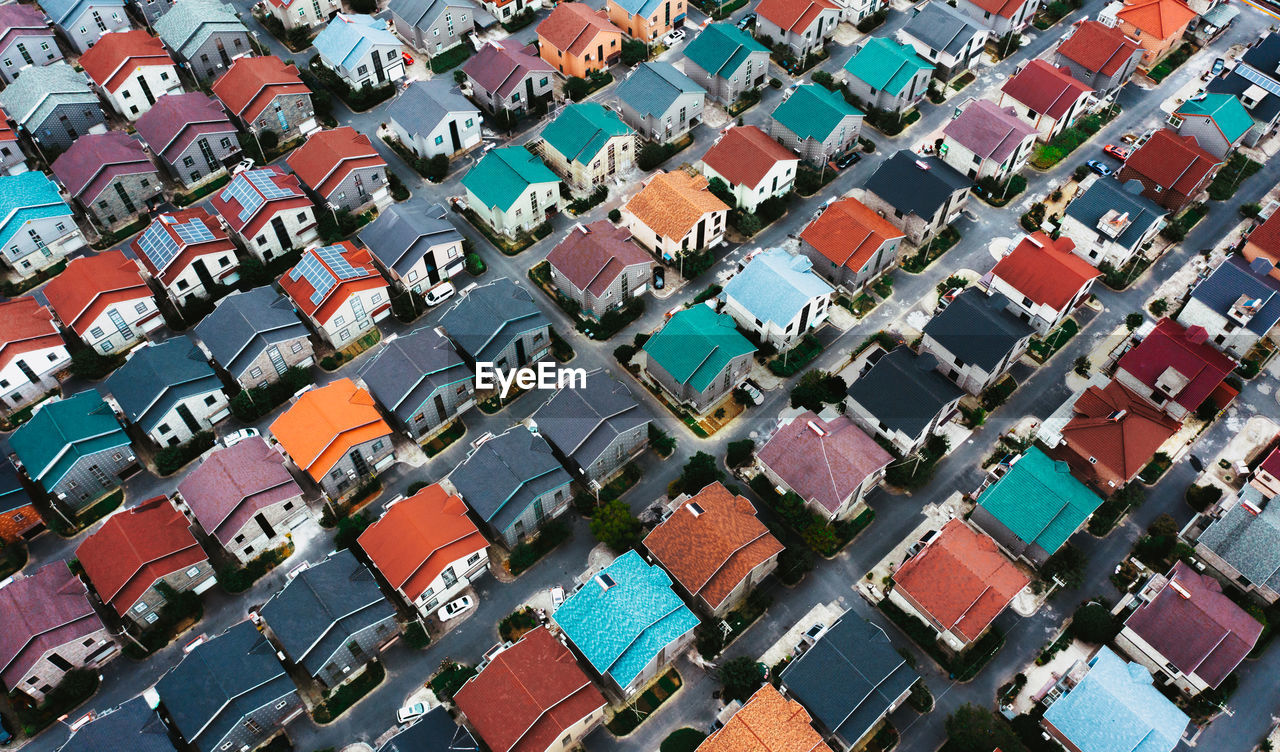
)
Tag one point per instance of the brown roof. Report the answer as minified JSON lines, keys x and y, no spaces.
{"x":593,"y":256}
{"x":40,"y":611}
{"x":116,"y":56}
{"x":849,"y":233}
{"x":768,"y":722}
{"x":25,"y":326}
{"x":745,"y":154}
{"x":1047,"y":90}
{"x":672,"y":203}
{"x":793,"y":15}
{"x":822,"y":461}
{"x":1005,"y":8}
{"x":571,"y":27}
{"x":363,"y":276}
{"x":1266,"y":236}
{"x":1118,"y":430}
{"x":1099,"y":48}
{"x":1172,"y":162}
{"x":711,"y":551}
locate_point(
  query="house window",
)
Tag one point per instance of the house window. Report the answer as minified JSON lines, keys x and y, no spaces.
{"x":95,"y":332}
{"x":439,"y":140}
{"x":140,"y":308}
{"x":471,"y":560}
{"x":140,"y":607}
{"x":296,"y":347}
{"x":255,"y":372}
{"x":163,"y":428}
{"x":193,"y":571}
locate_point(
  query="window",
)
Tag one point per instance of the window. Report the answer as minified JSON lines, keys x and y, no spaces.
{"x":255,"y":372}
{"x":377,"y":446}
{"x":471,"y":560}
{"x":226,"y":143}
{"x":439,"y":140}
{"x":470,"y":122}
{"x":280,"y":705}
{"x":362,"y":70}
{"x":140,"y":607}
{"x":151,"y":617}
{"x":163,"y":428}
{"x":140,"y":308}
{"x":296,"y":347}
{"x":340,"y":321}
{"x":391,"y":54}
{"x":193,"y":571}
{"x":95,"y":332}
{"x":126,"y":94}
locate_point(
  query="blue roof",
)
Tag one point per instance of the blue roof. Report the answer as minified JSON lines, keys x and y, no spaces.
{"x":27,"y":196}
{"x":63,"y":12}
{"x":157,"y":377}
{"x":722,"y":48}
{"x":620,"y":629}
{"x":812,"y":111}
{"x":643,"y":8}
{"x":652,"y":88}
{"x":775,"y":286}
{"x":349,"y":36}
{"x":1104,"y":195}
{"x":1233,"y":278}
{"x":1116,"y":708}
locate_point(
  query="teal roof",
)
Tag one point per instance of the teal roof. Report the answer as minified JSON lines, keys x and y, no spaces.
{"x":63,"y":431}
{"x":696,"y":344}
{"x":886,"y":65}
{"x":622,"y":627}
{"x":1039,"y":501}
{"x":813,"y":111}
{"x":1224,"y":109}
{"x":27,"y":196}
{"x":502,"y":176}
{"x":582,"y":130}
{"x":721,"y":48}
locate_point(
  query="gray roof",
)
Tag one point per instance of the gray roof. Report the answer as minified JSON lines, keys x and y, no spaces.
{"x":324,"y":607}
{"x":850,"y":677}
{"x":434,"y":732}
{"x":186,"y":26}
{"x":404,"y":233}
{"x":220,"y":682}
{"x":484,"y":321}
{"x":33,"y":96}
{"x":978,"y":329}
{"x":1264,"y":58}
{"x":911,"y":188}
{"x":903,"y":391}
{"x":156,"y":377}
{"x":652,"y":88}
{"x":1103,"y":195}
{"x":133,"y":721}
{"x":408,"y":369}
{"x":422,"y":13}
{"x":246,"y":323}
{"x":1250,"y":543}
{"x":503,"y":476}
{"x":1233,"y":278}
{"x":424,"y":104}
{"x":942,"y":27}
{"x":583,"y":423}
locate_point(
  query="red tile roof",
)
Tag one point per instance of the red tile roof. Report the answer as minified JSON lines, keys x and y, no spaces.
{"x":252,"y":225}
{"x":1047,"y":90}
{"x":91,"y":284}
{"x":41,"y":611}
{"x":572,"y":27}
{"x":1173,"y":162}
{"x":744,"y":155}
{"x":528,"y":696}
{"x":1187,"y":352}
{"x":251,"y":83}
{"x":793,"y":15}
{"x":1266,"y":236}
{"x":1099,"y":48}
{"x":117,"y":55}
{"x":232,"y":484}
{"x":299,"y":290}
{"x":823,"y":462}
{"x":1113,"y":434}
{"x":849,"y":233}
{"x":1158,"y":18}
{"x":768,"y":722}
{"x":1005,"y":8}
{"x":187,"y":252}
{"x":325,"y":160}
{"x":593,"y":256}
{"x":1045,"y":270}
{"x":25,"y":326}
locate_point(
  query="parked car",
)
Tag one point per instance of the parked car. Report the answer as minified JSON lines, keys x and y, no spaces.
{"x":673,"y":36}
{"x":439,"y":294}
{"x":849,"y":159}
{"x":244,"y":164}
{"x":1119,"y":152}
{"x":455,"y":607}
{"x":1098,"y":167}
{"x":408,"y":59}
{"x":1218,"y":65}
{"x":756,"y":397}
{"x":747,"y":21}
{"x":410,"y":712}
{"x":235,"y":437}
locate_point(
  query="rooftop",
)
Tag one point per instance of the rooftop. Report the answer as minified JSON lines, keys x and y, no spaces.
{"x":849,"y":233}
{"x":404,"y":233}
{"x":989,"y":131}
{"x":813,"y":111}
{"x":1179,"y":361}
{"x":652,"y":88}
{"x":328,"y":156}
{"x":39,"y":611}
{"x":1173,"y":162}
{"x":1158,"y":18}
{"x":324,"y":423}
{"x":326,"y":277}
{"x":1221,"y":290}
{"x":584,"y":423}
{"x":1225,"y":110}
{"x":1116,"y":432}
{"x":775,"y":286}
{"x":501,"y":67}
{"x":409,"y":368}
{"x":745,"y":155}
{"x":942,"y":28}
{"x":672,"y":203}
{"x":592,"y":256}
{"x":157,"y":377}
{"x":768,"y":722}
{"x":90,"y":284}
{"x":485,"y":320}
{"x":1247,"y":537}
{"x":572,"y":27}
{"x":61,"y":432}
{"x":114,"y":57}
{"x":695,"y":346}
{"x":886,"y":64}
{"x":916,"y":185}
{"x":581,"y":130}
{"x":251,"y":83}
{"x":1045,"y":270}
{"x":232,"y":484}
{"x":721,"y":48}
{"x":348,"y":39}
{"x":1098,"y":48}
{"x":422,"y":105}
{"x":1039,"y":501}
{"x":245,"y":324}
{"x":502,"y":477}
{"x":1137,"y":212}
{"x":503,"y":175}
{"x":793,"y":15}
{"x":823,"y":461}
{"x":978,"y":329}
{"x":904,"y":391}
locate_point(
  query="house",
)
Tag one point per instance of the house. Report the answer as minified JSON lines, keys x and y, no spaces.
{"x":1262,"y":242}
{"x":48,"y":628}
{"x":331,"y":619}
{"x":1236,"y":305}
{"x":338,"y":290}
{"x":342,"y":169}
{"x":267,"y":210}
{"x":975,"y":340}
{"x":431,"y":119}
{"x":514,"y":483}
{"x":1157,"y":25}
{"x":594,"y":430}
{"x":698,"y":357}
{"x":432,"y":27}
{"x":426,"y":548}
{"x":804,"y":26}
{"x":531,"y":697}
{"x":362,"y":50}
{"x":24,"y":33}
{"x":295,"y":14}
{"x":1000,"y":16}
{"x":105,"y":301}
{"x":646,"y":20}
{"x":512,"y":190}
{"x":1111,"y":436}
{"x":1042,"y":280}
{"x":578,"y":40}
{"x":256,"y":337}
{"x":1176,"y":369}
{"x":1034,"y":508}
{"x":33,"y":356}
{"x":506,"y":77}
{"x":849,"y":244}
{"x":150,"y":10}
{"x":888,"y":75}
{"x":54,"y":105}
{"x":142,"y":555}
{"x":1242,"y":545}
{"x":924,"y":194}
{"x":1046,"y":98}
{"x":265,"y":94}
{"x":110,"y":176}
{"x":778,"y":297}
{"x":752,"y":165}
{"x":205,"y":35}
{"x":588,"y":145}
{"x":37,"y":228}
{"x":84,"y":22}
{"x":1254,"y":79}
{"x":903,"y":399}
{"x":415,"y":245}
{"x":498,"y":323}
{"x":421,"y":380}
{"x":944,"y":37}
{"x":1185,"y":630}
{"x":134,"y":720}
{"x":649,"y":624}
{"x":726,"y":61}
{"x":230,"y":689}
{"x":191,"y":135}
{"x":1111,"y":222}
{"x":434,"y":732}
{"x":1098,"y":56}
{"x":131,"y":69}
{"x":1173,"y":169}
{"x":1218,"y":122}
{"x":1105,"y":700}
{"x":769,"y":722}
{"x":188,"y":253}
{"x":598,"y":267}
{"x":856,"y":656}
{"x":13,"y":161}
{"x":675,"y":213}
{"x":169,"y":391}
{"x":660,"y":101}
{"x":957,"y":583}
{"x":987,"y":141}
{"x":74,"y":449}
{"x":243,"y":498}
{"x":19,"y":518}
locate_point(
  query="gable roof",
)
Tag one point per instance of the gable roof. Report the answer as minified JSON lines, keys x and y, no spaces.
{"x":1259,"y":61}
{"x":420,"y":14}
{"x":886,"y":64}
{"x":775,"y":286}
{"x":115,"y":56}
{"x":1103,"y":196}
{"x":942,"y":28}
{"x":793,"y":15}
{"x":231,"y":484}
{"x":244,"y":324}
{"x":251,"y":83}
{"x":502,"y":477}
{"x":174,"y":240}
{"x":696,"y":345}
{"x":1047,"y":90}
{"x":485,"y":320}
{"x":643,"y":8}
{"x":254,"y":197}
{"x":187,"y":24}
{"x":1225,"y":285}
{"x":653,"y":88}
{"x":1265,"y":236}
{"x":1172,"y":162}
{"x":1158,"y":18}
{"x":349,"y":37}
{"x":769,"y":722}
{"x":671,"y":203}
{"x":25,"y":326}
{"x":60,"y":432}
{"x":1045,"y":270}
{"x":32,"y":97}
{"x":988,"y":130}
{"x":64,"y":12}
{"x":581,"y":130}
{"x":434,"y":732}
{"x":978,"y":329}
{"x":134,"y":720}
{"x":1115,"y":432}
{"x":328,"y":156}
{"x":1039,"y":501}
{"x":1225,"y":110}
{"x":584,"y":423}
{"x":409,"y":368}
{"x":572,"y":27}
{"x":404,"y":233}
{"x":25,"y":197}
{"x":916,"y":185}
{"x":156,"y":377}
{"x":503,"y":175}
{"x":813,"y":111}
{"x":90,"y":284}
{"x":1186,"y":351}
{"x":340,"y":270}
{"x":823,"y":461}
{"x":1005,"y":8}
{"x":21,"y":19}
{"x":903,"y":391}
{"x":40,"y":611}
{"x":592,"y":256}
{"x":175,"y":121}
{"x":324,"y":423}
{"x":94,"y":161}
{"x":721,"y":48}
{"x":423,"y":105}
{"x":1247,"y":537}
{"x":1097,"y":47}
{"x":745,"y":155}
{"x":849,"y":233}
{"x":501,"y":67}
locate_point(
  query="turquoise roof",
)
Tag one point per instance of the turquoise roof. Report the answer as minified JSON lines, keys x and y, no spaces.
{"x":696,"y":345}
{"x":775,"y":286}
{"x":27,"y":196}
{"x":622,"y":627}
{"x":643,"y":8}
{"x":813,"y":111}
{"x":61,"y":432}
{"x":721,"y":48}
{"x":1224,"y":110}
{"x":1040,"y":501}
{"x":582,"y":130}
{"x":886,"y":65}
{"x":501,"y":177}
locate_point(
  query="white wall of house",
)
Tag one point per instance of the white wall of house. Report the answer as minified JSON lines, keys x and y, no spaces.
{"x":525,"y":213}
{"x":778,"y":181}
{"x":1227,"y":335}
{"x":1047,"y":126}
{"x":975,"y":167}
{"x":449,"y":262}
{"x":56,"y":238}
{"x":1142,"y":651}
{"x":1042,"y":316}
{"x":187,"y":283}
{"x":801,"y":40}
{"x":299,"y":224}
{"x":130,"y":100}
{"x":17,"y":389}
{"x":363,"y":71}
{"x":1096,"y":248}
{"x":781,"y":334}
{"x":670,"y":248}
{"x":439,"y":140}
{"x":140,"y":316}
{"x":344,"y":327}
{"x":953,"y":641}
{"x":207,"y":408}
{"x":451,"y":581}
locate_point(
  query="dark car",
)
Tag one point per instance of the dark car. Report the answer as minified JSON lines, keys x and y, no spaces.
{"x":849,"y":159}
{"x":5,"y":736}
{"x":747,"y":21}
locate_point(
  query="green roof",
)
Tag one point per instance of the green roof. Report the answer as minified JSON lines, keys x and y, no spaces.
{"x":61,"y":432}
{"x":886,"y":65}
{"x":1224,"y":109}
{"x":813,"y":111}
{"x":721,"y":48}
{"x":502,"y":176}
{"x":696,"y":344}
{"x":582,"y":130}
{"x":1039,"y":501}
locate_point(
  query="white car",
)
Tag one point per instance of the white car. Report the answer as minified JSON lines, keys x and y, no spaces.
{"x":674,"y":36}
{"x":455,"y":608}
{"x":244,"y":164}
{"x":439,"y":294}
{"x":756,"y":397}
{"x":235,"y":437}
{"x":410,"y":712}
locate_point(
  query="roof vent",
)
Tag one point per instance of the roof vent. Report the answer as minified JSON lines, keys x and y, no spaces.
{"x":605,"y":581}
{"x":1180,"y":590}
{"x":923,"y":164}
{"x":1117,"y":416}
{"x":1261,"y":266}
{"x":694,"y":509}
{"x":1197,"y":335}
{"x":1034,"y":241}
{"x":1172,"y":382}
{"x":817,"y":428}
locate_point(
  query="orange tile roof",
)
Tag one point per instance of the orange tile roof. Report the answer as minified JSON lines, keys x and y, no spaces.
{"x":793,"y":15}
{"x":1045,"y":270}
{"x":116,"y":56}
{"x":711,"y":552}
{"x":251,"y":83}
{"x":25,"y":325}
{"x":571,"y":27}
{"x":768,"y":722}
{"x":848,"y":232}
{"x":1159,"y":18}
{"x":1118,"y":429}
{"x":325,"y":423}
{"x":673,"y":202}
{"x":1005,"y":8}
{"x":327,"y":157}
{"x":90,"y":284}
{"x":1266,"y":236}
{"x":1098,"y":47}
{"x":745,"y":154}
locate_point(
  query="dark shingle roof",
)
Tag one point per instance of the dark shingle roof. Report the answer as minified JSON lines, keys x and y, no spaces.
{"x":582,"y":423}
{"x":1104,"y":195}
{"x":156,"y":377}
{"x":905,"y":185}
{"x":12,"y":494}
{"x":502,"y":477}
{"x":401,"y":235}
{"x":246,"y":323}
{"x":434,"y":732}
{"x":941,"y":27}
{"x":977,"y":329}
{"x":1233,"y":278}
{"x":1264,"y":58}
{"x":408,"y":369}
{"x":652,"y":88}
{"x":903,"y":391}
{"x":133,"y":721}
{"x":486,"y":319}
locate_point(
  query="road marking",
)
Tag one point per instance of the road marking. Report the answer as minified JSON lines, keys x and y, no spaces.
{"x":1259,"y":7}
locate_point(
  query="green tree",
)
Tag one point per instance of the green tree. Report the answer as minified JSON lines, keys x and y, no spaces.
{"x":349,"y":529}
{"x":818,"y":389}
{"x":749,"y":223}
{"x":1208,"y":410}
{"x":976,"y":729}
{"x":1094,"y":624}
{"x":651,"y":155}
{"x":634,"y":51}
{"x":721,"y":191}
{"x":699,"y":472}
{"x":614,"y":525}
{"x":1081,"y":366}
{"x":1067,"y":565}
{"x":437,"y":168}
{"x":615,"y":216}
{"x":741,"y":677}
{"x":576,"y":88}
{"x":1133,"y":320}
{"x":269,"y":139}
{"x":739,"y":452}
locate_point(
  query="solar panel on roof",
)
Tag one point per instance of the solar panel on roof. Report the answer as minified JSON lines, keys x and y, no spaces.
{"x":1254,"y":76}
{"x":332,"y":257}
{"x":263,"y":181}
{"x":245,"y":195}
{"x":319,"y":277}
{"x":193,"y":231}
{"x":158,"y":245}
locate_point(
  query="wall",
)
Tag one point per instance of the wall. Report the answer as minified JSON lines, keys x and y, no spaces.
{"x":296,"y":109}
{"x":16,"y":387}
{"x":83,"y":117}
{"x":41,"y":47}
{"x":110,"y":209}
{"x":178,"y":432}
{"x":83,"y":31}
{"x":338,"y":482}
{"x":131,"y":101}
{"x":206,"y":61}
{"x":251,"y":540}
{"x":221,"y":145}
{"x":77,"y":653}
{"x":260,"y":371}
{"x":344,"y":327}
{"x":81,"y":486}
{"x":299,"y":225}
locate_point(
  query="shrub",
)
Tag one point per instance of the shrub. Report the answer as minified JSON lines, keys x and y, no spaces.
{"x":1133,"y":320}
{"x":634,"y":51}
{"x":651,"y":155}
{"x":739,"y":452}
{"x":824,"y":79}
{"x":662,"y":442}
{"x":615,"y":216}
{"x":682,"y":740}
{"x":349,"y":529}
{"x":1082,"y":172}
{"x":1202,"y":497}
{"x":818,"y":389}
{"x":172,"y":458}
{"x":475,"y":264}
{"x":1094,"y":624}
{"x":614,"y":525}
{"x":699,"y":472}
{"x":92,"y":365}
{"x":437,"y":168}
{"x":1081,"y":366}
{"x":741,"y":677}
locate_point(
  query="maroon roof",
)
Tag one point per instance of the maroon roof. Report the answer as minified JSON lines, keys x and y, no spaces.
{"x":230,"y":485}
{"x":174,"y":121}
{"x":1187,"y":352}
{"x":39,"y":612}
{"x":823,"y":462}
{"x":21,"y":19}
{"x":501,"y":67}
{"x":592,"y":257}
{"x":95,"y":160}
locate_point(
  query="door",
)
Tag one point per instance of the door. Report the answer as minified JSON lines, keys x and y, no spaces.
{"x":282,"y":235}
{"x":267,"y":530}
{"x":804,"y":320}
{"x":378,"y":73}
{"x":357,"y":460}
{"x":440,"y":413}
{"x":222,"y":53}
{"x":146,"y":90}
{"x":202,"y":272}
{"x":528,"y":89}
{"x":702,"y":233}
{"x":453,"y":134}
{"x":185,"y":413}
{"x":520,"y":353}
